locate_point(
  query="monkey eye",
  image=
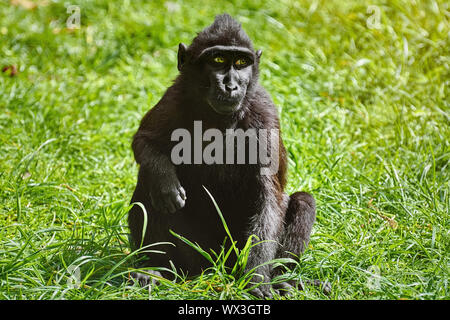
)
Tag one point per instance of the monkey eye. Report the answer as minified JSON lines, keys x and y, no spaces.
{"x":241,"y":62}
{"x":219,"y":59}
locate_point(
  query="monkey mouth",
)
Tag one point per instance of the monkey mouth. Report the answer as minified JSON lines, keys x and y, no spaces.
{"x":225,"y":107}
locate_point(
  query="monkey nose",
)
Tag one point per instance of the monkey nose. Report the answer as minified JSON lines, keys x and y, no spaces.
{"x":231,"y":88}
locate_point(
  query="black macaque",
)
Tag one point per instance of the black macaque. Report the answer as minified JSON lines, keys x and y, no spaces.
{"x":217,"y":85}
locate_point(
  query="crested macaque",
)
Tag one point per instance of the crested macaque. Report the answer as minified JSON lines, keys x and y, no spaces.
{"x":217,"y":85}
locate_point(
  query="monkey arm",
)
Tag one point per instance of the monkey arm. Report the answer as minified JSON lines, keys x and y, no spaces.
{"x":159,"y":174}
{"x":156,"y":171}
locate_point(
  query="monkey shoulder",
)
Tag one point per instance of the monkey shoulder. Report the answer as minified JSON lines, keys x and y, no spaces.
{"x":166,"y":114}
{"x":263,"y":113}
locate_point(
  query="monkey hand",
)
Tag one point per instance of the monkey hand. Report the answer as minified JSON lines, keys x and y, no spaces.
{"x":168,"y":196}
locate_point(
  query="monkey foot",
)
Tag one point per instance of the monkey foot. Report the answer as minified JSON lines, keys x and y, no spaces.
{"x":286,"y":288}
{"x":262,"y":292}
{"x":147,"y":277}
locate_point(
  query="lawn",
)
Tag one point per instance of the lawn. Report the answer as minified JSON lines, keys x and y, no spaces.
{"x":362,"y":90}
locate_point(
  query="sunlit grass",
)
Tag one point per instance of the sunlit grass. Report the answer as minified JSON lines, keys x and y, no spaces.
{"x":365,"y":119}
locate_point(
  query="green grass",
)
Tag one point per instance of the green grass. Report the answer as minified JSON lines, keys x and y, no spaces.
{"x":365,"y":119}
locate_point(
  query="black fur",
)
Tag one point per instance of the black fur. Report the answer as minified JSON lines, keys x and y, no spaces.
{"x":174,"y":197}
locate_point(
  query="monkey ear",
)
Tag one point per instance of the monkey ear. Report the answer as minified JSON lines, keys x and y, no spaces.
{"x":258,"y":54}
{"x":182,"y":48}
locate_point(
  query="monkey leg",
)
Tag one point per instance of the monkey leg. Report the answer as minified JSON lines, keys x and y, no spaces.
{"x":149,"y":241}
{"x":298,"y":222}
{"x":299,"y":219}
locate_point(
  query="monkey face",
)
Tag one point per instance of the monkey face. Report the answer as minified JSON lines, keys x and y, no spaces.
{"x":220,"y":75}
{"x":225,"y":73}
{"x":229,"y":74}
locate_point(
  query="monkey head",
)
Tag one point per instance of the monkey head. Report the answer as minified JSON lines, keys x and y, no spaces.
{"x":220,"y":65}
